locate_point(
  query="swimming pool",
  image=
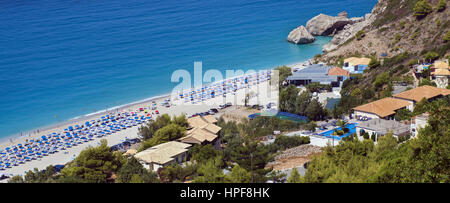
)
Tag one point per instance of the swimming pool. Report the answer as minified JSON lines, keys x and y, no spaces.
{"x":328,"y":134}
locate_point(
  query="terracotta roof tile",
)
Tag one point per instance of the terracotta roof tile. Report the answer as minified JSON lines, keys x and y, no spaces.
{"x":383,"y":107}
{"x":421,"y":92}
{"x":338,"y":71}
{"x":440,"y":65}
{"x":441,"y":72}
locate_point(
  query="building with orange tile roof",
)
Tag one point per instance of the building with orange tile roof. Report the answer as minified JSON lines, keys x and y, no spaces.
{"x":163,"y":155}
{"x":415,"y":95}
{"x":198,"y":136}
{"x":440,"y":65}
{"x":441,"y":73}
{"x":383,"y":108}
{"x":338,"y":71}
{"x":202,"y":130}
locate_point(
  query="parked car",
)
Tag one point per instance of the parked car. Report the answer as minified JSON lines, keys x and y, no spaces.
{"x":222,"y":106}
{"x":228,"y":104}
{"x":211,"y":112}
{"x":214,"y":110}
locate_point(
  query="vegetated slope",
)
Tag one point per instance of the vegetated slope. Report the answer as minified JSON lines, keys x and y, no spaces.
{"x":396,"y":29}
{"x":396,"y":38}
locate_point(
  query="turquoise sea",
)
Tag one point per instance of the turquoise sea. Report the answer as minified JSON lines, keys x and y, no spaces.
{"x":60,"y":59}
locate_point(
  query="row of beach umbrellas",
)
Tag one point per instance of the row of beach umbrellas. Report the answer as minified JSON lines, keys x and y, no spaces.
{"x":223,"y":87}
{"x":71,"y":136}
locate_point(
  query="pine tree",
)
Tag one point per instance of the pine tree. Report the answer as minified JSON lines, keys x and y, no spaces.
{"x":294,"y":177}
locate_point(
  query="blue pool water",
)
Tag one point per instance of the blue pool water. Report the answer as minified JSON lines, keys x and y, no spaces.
{"x":351,"y":127}
{"x":63,"y":59}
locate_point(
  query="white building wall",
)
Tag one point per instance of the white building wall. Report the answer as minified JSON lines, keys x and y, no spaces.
{"x":441,"y":81}
{"x":360,"y":136}
{"x":410,"y":107}
{"x":156,"y":167}
{"x":420,"y":123}
{"x":362,"y":114}
{"x":145,"y":165}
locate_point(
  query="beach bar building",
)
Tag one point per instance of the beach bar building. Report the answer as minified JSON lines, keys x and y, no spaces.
{"x":314,"y":73}
{"x":163,"y":155}
{"x":202,"y":130}
{"x":384,"y":108}
{"x":381,"y":127}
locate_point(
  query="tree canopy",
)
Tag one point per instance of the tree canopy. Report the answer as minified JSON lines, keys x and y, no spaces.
{"x":95,"y":164}
{"x":425,"y":158}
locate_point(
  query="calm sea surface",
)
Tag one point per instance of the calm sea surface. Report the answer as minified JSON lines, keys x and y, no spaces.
{"x":60,"y":59}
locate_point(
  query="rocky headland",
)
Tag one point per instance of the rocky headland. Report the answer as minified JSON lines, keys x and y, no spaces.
{"x":340,"y":27}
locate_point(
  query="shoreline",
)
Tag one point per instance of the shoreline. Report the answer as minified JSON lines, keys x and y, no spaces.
{"x":37,"y":132}
{"x":264,"y":91}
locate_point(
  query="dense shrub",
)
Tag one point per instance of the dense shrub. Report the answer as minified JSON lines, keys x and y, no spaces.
{"x":285,"y":142}
{"x":422,"y":9}
{"x":447,"y":37}
{"x":441,"y":5}
{"x":430,"y":56}
{"x":360,"y":34}
{"x":373,"y":63}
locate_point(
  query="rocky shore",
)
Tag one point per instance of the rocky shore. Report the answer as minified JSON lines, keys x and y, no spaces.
{"x":340,"y":27}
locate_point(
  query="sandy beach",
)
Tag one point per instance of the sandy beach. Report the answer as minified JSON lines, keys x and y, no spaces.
{"x":261,"y":94}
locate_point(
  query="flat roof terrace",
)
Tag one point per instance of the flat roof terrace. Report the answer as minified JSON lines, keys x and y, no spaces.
{"x":383,"y":126}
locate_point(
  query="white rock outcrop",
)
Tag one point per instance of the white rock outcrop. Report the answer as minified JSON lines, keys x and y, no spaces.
{"x":325,"y":25}
{"x":348,"y":31}
{"x":300,"y":36}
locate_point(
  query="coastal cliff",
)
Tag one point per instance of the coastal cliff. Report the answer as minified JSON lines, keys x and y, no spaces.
{"x":392,"y":28}
{"x":325,"y":25}
{"x":396,"y":36}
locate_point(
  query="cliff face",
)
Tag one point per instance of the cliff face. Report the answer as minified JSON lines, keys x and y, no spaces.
{"x":325,"y":25}
{"x":391,"y":28}
{"x":322,"y":25}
